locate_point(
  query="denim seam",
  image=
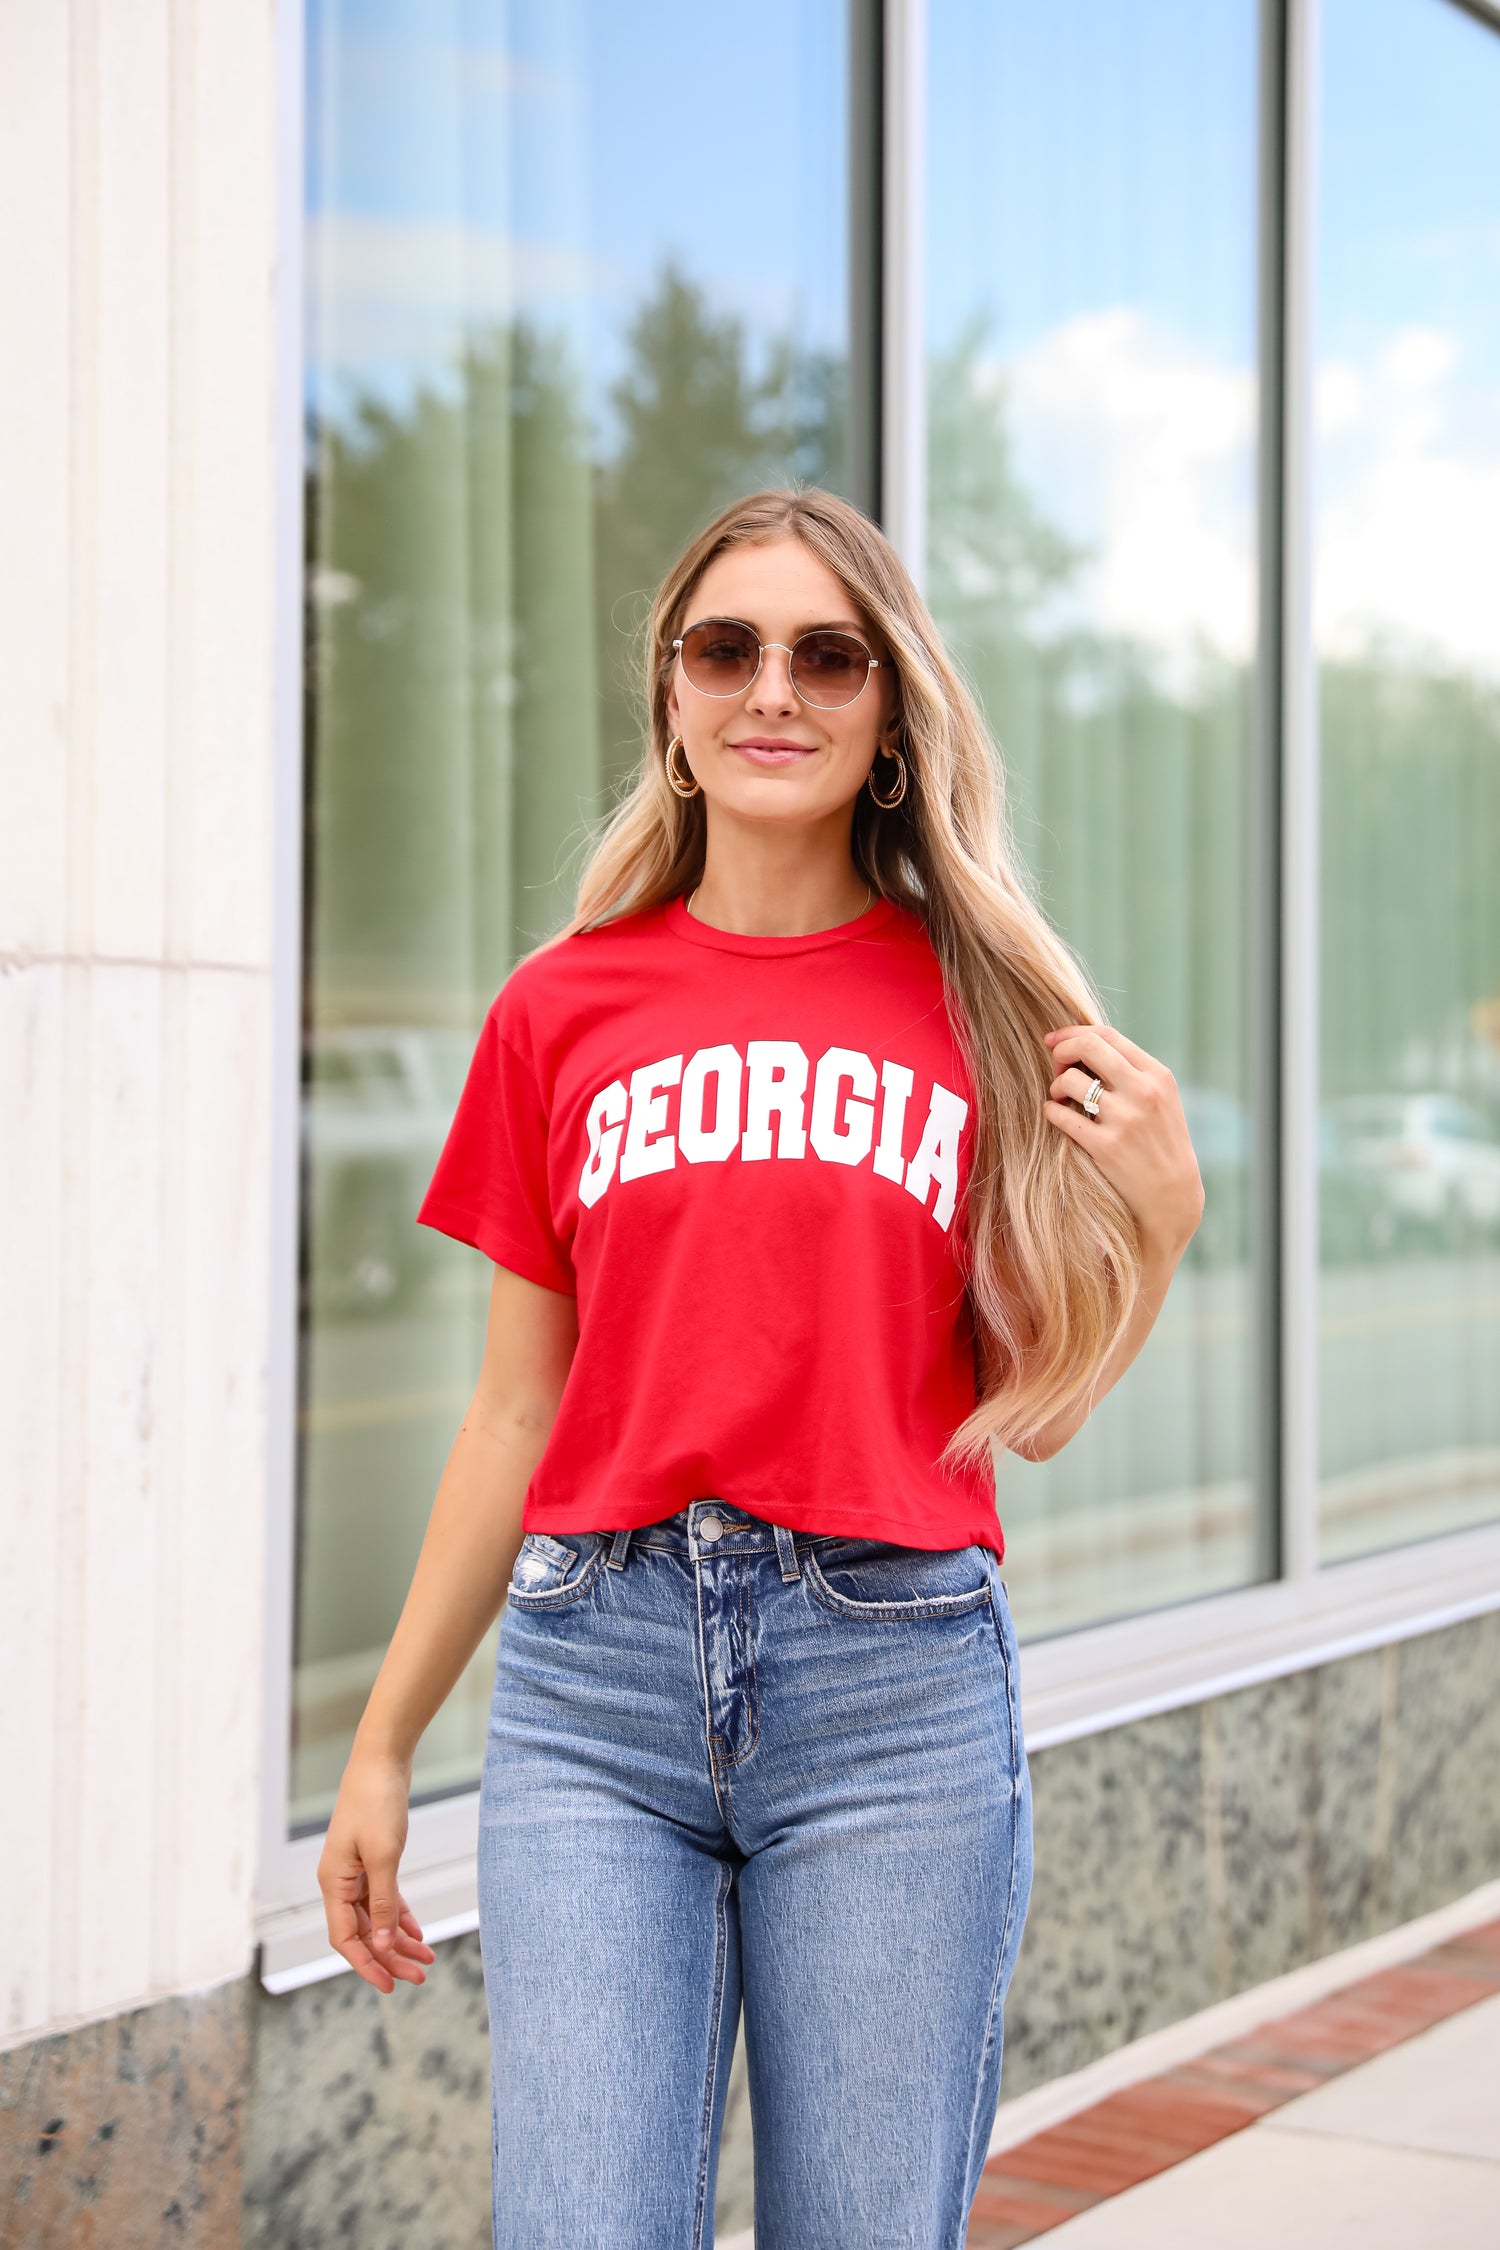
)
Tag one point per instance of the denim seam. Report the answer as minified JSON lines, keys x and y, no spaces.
{"x":749,"y":1640}
{"x":1010,"y":1904}
{"x":494,"y":2155}
{"x":723,"y":1879}
{"x":933,"y":1605}
{"x":1012,"y":1691}
{"x":714,"y":1770}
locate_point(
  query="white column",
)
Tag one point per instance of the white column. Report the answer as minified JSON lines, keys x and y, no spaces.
{"x":136,"y":454}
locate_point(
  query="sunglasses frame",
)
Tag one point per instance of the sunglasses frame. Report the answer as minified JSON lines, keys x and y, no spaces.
{"x":873,"y":663}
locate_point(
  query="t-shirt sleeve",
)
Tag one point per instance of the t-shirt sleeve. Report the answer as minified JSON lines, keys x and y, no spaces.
{"x":490,"y":1185}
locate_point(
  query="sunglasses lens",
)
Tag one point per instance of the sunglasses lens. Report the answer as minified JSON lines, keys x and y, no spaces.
{"x":829,"y":668}
{"x":719,"y":658}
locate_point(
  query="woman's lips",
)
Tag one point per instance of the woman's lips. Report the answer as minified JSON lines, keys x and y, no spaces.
{"x":765,"y":751}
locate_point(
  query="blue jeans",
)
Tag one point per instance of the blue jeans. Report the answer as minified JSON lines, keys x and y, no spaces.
{"x":731,"y":1764}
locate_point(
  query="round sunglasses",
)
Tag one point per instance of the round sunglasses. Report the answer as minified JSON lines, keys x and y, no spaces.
{"x":722,"y":655}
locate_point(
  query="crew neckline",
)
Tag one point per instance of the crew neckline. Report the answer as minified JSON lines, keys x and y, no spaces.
{"x":688,"y":927}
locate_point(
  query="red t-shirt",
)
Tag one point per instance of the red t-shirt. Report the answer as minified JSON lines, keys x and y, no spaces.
{"x":747,"y":1156}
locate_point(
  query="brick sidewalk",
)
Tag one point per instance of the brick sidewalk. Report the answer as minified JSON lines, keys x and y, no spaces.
{"x":1146,"y":2128}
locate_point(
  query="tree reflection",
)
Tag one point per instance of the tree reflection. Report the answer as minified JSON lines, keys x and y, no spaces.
{"x":479,"y":566}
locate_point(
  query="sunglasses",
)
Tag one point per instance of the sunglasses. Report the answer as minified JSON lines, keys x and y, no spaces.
{"x":722,"y":655}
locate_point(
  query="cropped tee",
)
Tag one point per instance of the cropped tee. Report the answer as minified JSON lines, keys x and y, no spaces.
{"x":748,"y":1158}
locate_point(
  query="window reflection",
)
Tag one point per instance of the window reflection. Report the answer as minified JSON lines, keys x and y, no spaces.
{"x":1092,"y":555}
{"x":1408,"y":482}
{"x":550,"y":329}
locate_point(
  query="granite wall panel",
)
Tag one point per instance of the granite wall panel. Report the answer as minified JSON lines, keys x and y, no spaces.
{"x":127,"y":2134}
{"x":1115,"y":1939}
{"x":370,"y":2125}
{"x":1445,"y":1748}
{"x":1265,"y":1829}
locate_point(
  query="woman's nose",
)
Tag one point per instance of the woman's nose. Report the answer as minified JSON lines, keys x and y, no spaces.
{"x":772,"y":687}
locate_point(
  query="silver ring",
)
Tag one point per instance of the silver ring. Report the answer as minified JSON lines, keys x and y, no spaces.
{"x":1091,"y":1097}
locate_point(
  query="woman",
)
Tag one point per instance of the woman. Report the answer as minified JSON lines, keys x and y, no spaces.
{"x":809,"y":1172}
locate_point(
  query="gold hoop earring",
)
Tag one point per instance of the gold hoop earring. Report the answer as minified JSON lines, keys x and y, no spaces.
{"x":694,"y":785}
{"x":889,"y":804}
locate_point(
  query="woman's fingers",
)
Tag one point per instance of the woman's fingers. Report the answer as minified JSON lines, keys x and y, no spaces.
{"x":1127,"y":1047}
{"x":400,"y":1968}
{"x":384,"y":1903}
{"x":1139,"y":1139}
{"x":347,"y":1937}
{"x":390,"y":1945}
{"x":1073,"y":1123}
{"x":413,"y":1951}
{"x":401,"y":1958}
{"x":409,"y":1936}
{"x":1103,"y":1057}
{"x":348,"y":1887}
{"x":1112,"y":1038}
{"x":1072,"y":1085}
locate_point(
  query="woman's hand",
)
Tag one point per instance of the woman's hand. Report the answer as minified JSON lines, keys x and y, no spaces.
{"x":1140,"y":1138}
{"x":369,"y":1922}
{"x":457,"y":1588}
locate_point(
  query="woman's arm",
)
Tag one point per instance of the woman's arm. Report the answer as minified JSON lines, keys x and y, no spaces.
{"x":1140,"y":1140}
{"x":470,"y":1546}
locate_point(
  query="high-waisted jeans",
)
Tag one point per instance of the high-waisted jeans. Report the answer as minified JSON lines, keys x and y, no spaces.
{"x":730,"y":1764}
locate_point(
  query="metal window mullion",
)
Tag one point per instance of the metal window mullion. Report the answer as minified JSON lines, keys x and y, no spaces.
{"x":903,"y":475}
{"x":1300,"y":810}
{"x":1486,"y":12}
{"x":1263,"y":933}
{"x":866,"y":251}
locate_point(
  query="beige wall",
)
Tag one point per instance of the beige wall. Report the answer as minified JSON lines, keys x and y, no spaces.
{"x":137,"y":200}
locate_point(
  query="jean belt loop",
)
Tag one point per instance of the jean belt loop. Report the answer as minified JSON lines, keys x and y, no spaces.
{"x":786,"y":1549}
{"x":619,"y":1549}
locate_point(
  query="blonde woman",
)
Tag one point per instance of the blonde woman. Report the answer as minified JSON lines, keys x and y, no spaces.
{"x":809,"y":1171}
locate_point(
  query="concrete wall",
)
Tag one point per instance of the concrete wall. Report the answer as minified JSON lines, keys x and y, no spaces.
{"x":137,"y":175}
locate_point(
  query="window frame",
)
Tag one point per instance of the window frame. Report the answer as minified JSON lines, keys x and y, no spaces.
{"x":1094,"y":1677}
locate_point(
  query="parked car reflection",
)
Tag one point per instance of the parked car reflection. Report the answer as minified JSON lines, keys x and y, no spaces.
{"x":376,"y":1104}
{"x":1352,"y":1218}
{"x":1432,"y":1163}
{"x":1219,"y":1126}
{"x":1354,"y":1212}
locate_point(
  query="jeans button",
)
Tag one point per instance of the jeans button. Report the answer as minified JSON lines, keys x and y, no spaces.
{"x":711,"y":1528}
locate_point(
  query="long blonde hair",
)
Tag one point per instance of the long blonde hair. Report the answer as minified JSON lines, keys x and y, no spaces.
{"x":1053,"y":1259}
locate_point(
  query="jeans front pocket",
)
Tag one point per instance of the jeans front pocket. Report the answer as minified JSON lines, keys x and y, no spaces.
{"x":873,"y":1578}
{"x":546,"y":1573}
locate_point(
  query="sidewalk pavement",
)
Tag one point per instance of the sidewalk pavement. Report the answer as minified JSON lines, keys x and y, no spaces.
{"x":1370,"y":2117}
{"x":1402,"y":2153}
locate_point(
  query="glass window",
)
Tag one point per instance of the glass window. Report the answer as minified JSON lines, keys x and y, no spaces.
{"x":1092,"y":555}
{"x":551,"y":326}
{"x":1407,"y":567}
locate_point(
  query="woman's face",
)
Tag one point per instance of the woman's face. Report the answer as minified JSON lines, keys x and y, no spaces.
{"x":765,"y":754}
